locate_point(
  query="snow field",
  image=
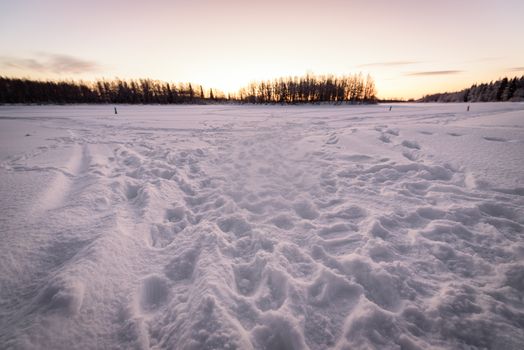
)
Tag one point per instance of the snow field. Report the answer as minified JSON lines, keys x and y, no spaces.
{"x":223,"y":227}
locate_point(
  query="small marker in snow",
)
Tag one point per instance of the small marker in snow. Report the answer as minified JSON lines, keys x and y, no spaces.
{"x":467,"y":109}
{"x":116,"y":111}
{"x":390,"y":108}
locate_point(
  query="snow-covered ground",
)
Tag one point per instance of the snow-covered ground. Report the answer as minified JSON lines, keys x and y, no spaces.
{"x":265,"y":227}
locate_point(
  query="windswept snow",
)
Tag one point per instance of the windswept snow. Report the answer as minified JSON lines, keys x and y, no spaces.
{"x":262,"y":227}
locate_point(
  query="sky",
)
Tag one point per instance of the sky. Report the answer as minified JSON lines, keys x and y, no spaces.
{"x":410,"y":47}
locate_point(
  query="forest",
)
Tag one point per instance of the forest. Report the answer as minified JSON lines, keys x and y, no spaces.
{"x":505,"y":89}
{"x":142,"y":91}
{"x":306,"y":89}
{"x":312,"y":89}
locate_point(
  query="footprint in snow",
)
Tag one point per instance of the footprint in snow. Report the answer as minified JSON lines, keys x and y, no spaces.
{"x":411,"y":155}
{"x":333,"y":139}
{"x":384,"y":138}
{"x":394,"y":132}
{"x":249,"y":276}
{"x":131,"y":191}
{"x":495,"y":139}
{"x":174,"y":214}
{"x":410,"y":144}
{"x":283,"y":221}
{"x":272,"y":291}
{"x":183,"y":265}
{"x":153,"y":292}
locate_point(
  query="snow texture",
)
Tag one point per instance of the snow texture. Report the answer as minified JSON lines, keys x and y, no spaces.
{"x":262,"y":227}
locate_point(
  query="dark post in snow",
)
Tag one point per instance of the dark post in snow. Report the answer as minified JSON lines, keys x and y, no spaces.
{"x":467,"y":109}
{"x":390,"y":108}
{"x":116,"y":111}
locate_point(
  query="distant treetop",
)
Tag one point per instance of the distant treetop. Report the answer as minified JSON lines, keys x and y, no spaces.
{"x":505,"y":89}
{"x":312,"y":89}
{"x":306,"y":89}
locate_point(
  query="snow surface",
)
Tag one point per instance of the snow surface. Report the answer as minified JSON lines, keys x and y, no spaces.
{"x":265,"y":227}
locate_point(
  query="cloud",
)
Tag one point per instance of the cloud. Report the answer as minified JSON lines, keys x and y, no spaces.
{"x":486,"y":59}
{"x":517,"y":69}
{"x":433,"y":72}
{"x":27,"y":63}
{"x":51,"y":63}
{"x":69,"y":64}
{"x":388,"y":64}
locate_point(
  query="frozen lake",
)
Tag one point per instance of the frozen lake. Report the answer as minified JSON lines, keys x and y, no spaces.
{"x":262,"y":227}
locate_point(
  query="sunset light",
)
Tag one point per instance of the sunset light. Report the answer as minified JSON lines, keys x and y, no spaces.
{"x":410,"y":47}
{"x":262,"y":175}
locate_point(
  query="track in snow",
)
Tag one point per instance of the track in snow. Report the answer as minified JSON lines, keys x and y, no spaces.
{"x":265,"y":227}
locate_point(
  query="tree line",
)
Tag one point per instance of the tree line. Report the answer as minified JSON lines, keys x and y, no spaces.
{"x":306,"y":89}
{"x":312,"y":89}
{"x":505,"y":89}
{"x":142,"y":91}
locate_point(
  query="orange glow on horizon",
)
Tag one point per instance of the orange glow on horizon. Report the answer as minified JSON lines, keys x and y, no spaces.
{"x":410,"y":48}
